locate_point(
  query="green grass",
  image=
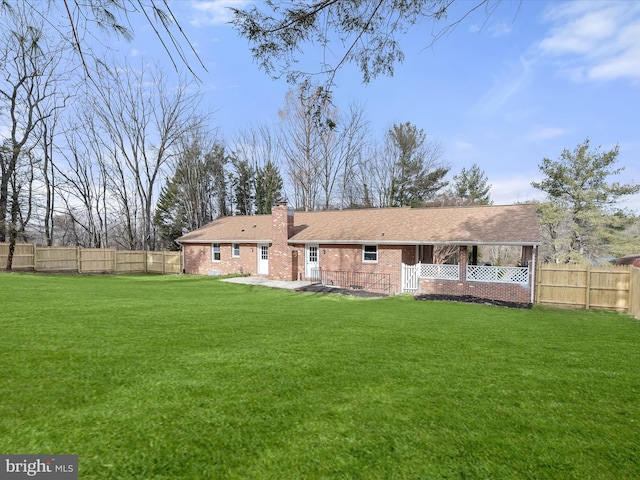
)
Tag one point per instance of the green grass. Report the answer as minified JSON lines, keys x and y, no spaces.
{"x":150,"y":377}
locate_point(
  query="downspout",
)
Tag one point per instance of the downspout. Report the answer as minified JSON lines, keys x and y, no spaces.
{"x":533,"y":272}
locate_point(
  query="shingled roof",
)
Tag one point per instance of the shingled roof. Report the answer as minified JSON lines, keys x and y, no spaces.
{"x":487,"y":224}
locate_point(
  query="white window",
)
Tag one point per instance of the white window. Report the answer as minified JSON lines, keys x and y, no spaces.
{"x":236,"y":250}
{"x":215,"y":252}
{"x":370,"y":253}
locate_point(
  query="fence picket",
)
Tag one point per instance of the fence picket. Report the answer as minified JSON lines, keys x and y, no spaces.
{"x":88,"y":260}
{"x":586,"y":286}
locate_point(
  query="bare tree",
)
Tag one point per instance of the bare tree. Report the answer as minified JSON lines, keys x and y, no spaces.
{"x":28,"y":87}
{"x":339,"y":150}
{"x":301,"y":141}
{"x":83,"y":182}
{"x":74,"y":20}
{"x":144,"y":120}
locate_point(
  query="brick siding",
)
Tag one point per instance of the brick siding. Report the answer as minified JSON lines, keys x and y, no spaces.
{"x":282,"y":257}
{"x":198,"y":259}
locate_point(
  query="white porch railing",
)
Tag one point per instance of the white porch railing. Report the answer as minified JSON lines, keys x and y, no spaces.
{"x":475,"y":273}
{"x":412,"y":273}
{"x":439,"y":271}
{"x":480,"y":273}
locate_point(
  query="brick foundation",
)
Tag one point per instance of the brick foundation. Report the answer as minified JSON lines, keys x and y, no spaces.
{"x":504,"y":292}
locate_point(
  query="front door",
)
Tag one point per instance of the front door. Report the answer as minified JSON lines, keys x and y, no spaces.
{"x":263,"y":259}
{"x":312,"y":262}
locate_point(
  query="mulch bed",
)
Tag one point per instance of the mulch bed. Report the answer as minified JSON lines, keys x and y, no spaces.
{"x":472,"y":299}
{"x":447,"y":298}
{"x":341,"y":291}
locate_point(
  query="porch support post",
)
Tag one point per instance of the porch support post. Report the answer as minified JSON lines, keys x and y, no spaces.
{"x":463,"y":263}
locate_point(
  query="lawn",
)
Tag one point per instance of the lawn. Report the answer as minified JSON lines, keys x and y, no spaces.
{"x":151,"y":377}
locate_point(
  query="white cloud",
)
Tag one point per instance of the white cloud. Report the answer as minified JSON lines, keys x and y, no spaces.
{"x":545,"y":133}
{"x":505,"y":86}
{"x":594,"y":40}
{"x":462,"y":145}
{"x":500,"y":29}
{"x":513,"y":189}
{"x":214,"y":12}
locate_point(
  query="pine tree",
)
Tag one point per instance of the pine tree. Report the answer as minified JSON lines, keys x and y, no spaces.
{"x":269,"y":186}
{"x":578,"y":184}
{"x":471,"y":186}
{"x":418,"y":173}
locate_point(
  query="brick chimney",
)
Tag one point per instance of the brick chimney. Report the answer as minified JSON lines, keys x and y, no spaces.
{"x":280,"y":254}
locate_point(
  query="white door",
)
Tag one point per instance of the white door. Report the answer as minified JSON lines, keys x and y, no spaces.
{"x":263,"y":259}
{"x":312,"y":262}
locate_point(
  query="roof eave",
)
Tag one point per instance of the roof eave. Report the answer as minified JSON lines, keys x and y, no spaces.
{"x":416,"y":242}
{"x":225,"y":240}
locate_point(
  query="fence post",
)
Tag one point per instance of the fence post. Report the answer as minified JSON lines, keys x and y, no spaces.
{"x":115,"y":261}
{"x":144,"y":252}
{"x":588,"y":292}
{"x":34,"y":257}
{"x":78,"y":258}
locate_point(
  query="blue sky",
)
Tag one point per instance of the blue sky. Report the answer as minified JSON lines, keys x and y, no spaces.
{"x":503,"y":92}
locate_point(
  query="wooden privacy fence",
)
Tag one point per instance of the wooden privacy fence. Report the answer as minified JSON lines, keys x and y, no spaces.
{"x":28,"y":256}
{"x":608,"y":287}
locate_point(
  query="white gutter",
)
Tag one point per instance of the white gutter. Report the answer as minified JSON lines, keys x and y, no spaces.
{"x":533,"y":273}
{"x":410,"y":242}
{"x":225,"y":240}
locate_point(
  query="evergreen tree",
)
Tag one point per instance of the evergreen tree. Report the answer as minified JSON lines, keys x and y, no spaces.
{"x":243,"y":180}
{"x":195,"y":194}
{"x":168,"y":217}
{"x":578,"y":185}
{"x":471,"y":186}
{"x":218,"y":159}
{"x":418,"y":173}
{"x":269,"y":187}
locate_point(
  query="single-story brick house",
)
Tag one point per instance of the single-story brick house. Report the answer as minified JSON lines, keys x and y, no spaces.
{"x":387,"y":249}
{"x":629,"y":260}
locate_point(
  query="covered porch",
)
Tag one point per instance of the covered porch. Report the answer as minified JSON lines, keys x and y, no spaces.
{"x":468,"y":278}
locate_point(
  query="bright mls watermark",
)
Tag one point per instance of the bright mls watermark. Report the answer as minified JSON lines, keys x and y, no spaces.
{"x":48,"y":467}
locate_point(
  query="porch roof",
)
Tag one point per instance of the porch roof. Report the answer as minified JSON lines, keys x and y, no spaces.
{"x":486,"y":224}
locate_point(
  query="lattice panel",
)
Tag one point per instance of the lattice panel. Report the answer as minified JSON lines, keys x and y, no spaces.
{"x":478,"y":273}
{"x":439,"y":271}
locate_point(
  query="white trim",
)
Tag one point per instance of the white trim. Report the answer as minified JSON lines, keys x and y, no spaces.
{"x":293,"y":241}
{"x":364,"y":260}
{"x":311,"y":268}
{"x":213,"y":258}
{"x":233,"y":240}
{"x":260,"y":261}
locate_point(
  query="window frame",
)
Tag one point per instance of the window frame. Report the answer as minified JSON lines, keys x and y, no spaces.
{"x":216,"y":249}
{"x":235,"y":253}
{"x":365,"y":253}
